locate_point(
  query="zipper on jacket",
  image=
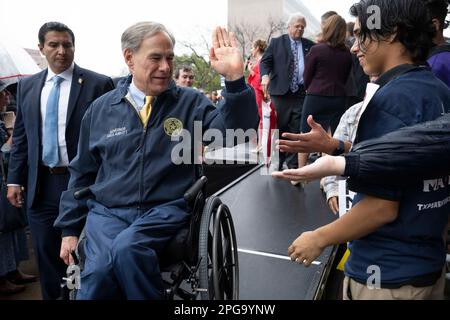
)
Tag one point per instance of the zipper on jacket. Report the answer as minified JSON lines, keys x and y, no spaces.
{"x":141,"y":150}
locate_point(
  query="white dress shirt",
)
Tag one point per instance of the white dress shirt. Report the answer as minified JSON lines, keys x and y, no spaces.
{"x":137,"y":96}
{"x":64,"y":95}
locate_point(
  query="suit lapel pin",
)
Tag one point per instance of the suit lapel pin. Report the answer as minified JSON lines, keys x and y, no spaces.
{"x":80,"y":80}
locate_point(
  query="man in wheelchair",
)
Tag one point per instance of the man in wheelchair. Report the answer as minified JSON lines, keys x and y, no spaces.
{"x":125,"y":157}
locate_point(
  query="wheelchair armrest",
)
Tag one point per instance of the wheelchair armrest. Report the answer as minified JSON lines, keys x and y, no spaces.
{"x":82,"y":193}
{"x":78,"y":254}
{"x":192,"y":192}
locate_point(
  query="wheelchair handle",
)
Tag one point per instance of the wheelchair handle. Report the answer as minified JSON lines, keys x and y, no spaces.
{"x":192,"y":192}
{"x":75,"y":258}
{"x":82,"y":193}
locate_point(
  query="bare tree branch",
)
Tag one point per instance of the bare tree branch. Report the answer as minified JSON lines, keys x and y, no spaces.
{"x":246,"y":33}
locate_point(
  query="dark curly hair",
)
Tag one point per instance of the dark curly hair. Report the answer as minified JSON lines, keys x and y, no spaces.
{"x":438,"y":10}
{"x":408,"y":19}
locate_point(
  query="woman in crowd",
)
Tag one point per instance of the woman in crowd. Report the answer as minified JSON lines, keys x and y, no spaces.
{"x":254,"y":79}
{"x":327,"y":67}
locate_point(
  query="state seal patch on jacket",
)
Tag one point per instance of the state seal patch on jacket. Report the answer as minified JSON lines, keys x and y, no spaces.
{"x":173,"y":126}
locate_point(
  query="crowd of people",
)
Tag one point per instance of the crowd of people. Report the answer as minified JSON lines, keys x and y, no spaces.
{"x":399,"y":227}
{"x":75,"y":128}
{"x":13,"y":243}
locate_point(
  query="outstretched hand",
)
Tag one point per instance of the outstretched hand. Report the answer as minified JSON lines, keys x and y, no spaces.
{"x":225,"y":55}
{"x":322,"y":167}
{"x":317,"y":140}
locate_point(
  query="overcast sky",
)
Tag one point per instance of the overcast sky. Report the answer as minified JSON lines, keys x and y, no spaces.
{"x":98,"y":24}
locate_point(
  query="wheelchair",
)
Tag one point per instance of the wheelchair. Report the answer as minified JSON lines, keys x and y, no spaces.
{"x":201,"y":260}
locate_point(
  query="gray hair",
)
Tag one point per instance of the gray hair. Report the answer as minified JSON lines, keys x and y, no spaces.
{"x":295,"y":17}
{"x":134,"y":35}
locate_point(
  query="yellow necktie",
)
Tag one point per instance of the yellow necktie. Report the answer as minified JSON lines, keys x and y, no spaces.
{"x":146,"y":110}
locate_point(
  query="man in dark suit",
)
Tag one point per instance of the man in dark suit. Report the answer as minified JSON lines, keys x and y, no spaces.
{"x":282,"y":67}
{"x":50,"y":105}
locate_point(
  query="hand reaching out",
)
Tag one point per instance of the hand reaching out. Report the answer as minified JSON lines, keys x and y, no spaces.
{"x":317,"y":140}
{"x":322,"y":167}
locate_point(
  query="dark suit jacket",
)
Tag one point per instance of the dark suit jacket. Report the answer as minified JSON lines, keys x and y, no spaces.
{"x":327,"y":70}
{"x":277,"y":63}
{"x":26,"y":150}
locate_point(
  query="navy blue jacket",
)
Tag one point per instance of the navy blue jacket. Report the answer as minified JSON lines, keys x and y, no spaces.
{"x":129,"y":165}
{"x":26,"y":150}
{"x":277,"y":62}
{"x":409,"y":250}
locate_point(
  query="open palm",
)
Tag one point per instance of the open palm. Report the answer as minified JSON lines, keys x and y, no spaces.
{"x":225,"y":55}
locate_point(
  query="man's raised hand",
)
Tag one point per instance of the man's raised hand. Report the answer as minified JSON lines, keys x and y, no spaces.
{"x":225,"y":56}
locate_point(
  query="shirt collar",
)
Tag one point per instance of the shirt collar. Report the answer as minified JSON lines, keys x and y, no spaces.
{"x":298,"y":42}
{"x":137,"y":95}
{"x":66,"y":74}
{"x":394,"y":73}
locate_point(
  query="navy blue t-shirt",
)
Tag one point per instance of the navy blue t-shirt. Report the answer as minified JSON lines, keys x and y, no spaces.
{"x":410,"y":250}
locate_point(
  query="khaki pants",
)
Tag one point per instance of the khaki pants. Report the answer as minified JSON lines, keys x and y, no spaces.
{"x":356,"y":291}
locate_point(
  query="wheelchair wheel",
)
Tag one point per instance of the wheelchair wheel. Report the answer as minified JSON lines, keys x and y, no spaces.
{"x":218,"y":268}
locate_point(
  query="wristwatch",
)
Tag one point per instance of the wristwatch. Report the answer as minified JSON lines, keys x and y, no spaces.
{"x":340,"y":149}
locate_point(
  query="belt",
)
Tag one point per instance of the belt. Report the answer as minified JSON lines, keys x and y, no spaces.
{"x":55,"y":170}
